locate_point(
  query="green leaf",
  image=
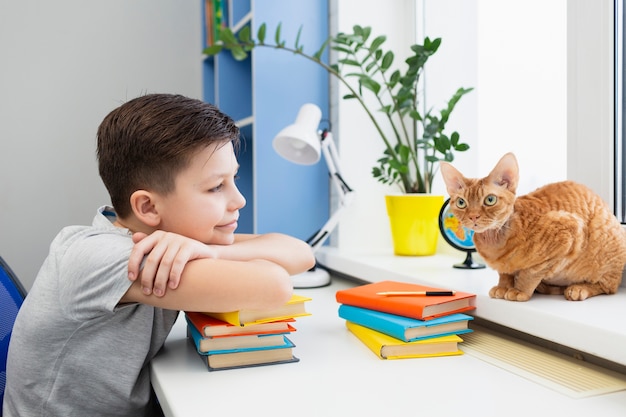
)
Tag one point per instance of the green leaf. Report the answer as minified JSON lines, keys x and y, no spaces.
{"x":445,"y":113}
{"x":341,"y":49}
{"x":415,"y":115}
{"x":277,"y":34}
{"x":442,"y":144}
{"x":454,"y":138}
{"x":244,"y":34}
{"x":227,"y":37}
{"x":297,"y":43}
{"x":461,"y":147}
{"x":377,"y":42}
{"x":212,"y":50}
{"x":387,"y":61}
{"x":370,"y":84}
{"x":386,"y":109}
{"x":238,"y":53}
{"x":432,"y":46}
{"x":261,"y":33}
{"x":318,"y":54}
{"x":365,"y":33}
{"x":347,"y":61}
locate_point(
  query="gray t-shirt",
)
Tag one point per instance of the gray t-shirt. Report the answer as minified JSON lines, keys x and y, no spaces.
{"x":74,"y":351}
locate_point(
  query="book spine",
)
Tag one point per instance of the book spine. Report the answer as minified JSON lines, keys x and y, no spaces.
{"x":361,"y":317}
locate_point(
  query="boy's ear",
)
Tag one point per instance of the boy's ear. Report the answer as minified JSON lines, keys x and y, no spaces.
{"x":143,"y":205}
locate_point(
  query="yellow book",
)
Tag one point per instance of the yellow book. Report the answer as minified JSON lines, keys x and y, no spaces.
{"x":293,"y":308}
{"x":387,"y":347}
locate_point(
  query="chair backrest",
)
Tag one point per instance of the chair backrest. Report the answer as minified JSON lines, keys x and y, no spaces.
{"x":12,"y":296}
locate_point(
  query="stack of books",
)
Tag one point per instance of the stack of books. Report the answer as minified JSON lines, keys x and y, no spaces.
{"x":245,"y":338}
{"x":399,"y":320}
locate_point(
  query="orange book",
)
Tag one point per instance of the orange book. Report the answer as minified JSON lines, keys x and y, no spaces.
{"x":417,"y":305}
{"x":211,"y":327}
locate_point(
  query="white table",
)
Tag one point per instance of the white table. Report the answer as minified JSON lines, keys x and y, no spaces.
{"x":338,"y":375}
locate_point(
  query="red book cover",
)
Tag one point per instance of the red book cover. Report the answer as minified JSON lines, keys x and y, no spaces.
{"x":211,"y":327}
{"x":419,"y":307}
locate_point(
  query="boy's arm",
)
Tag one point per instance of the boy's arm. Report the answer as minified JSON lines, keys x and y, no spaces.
{"x":222,"y":285}
{"x":168,"y":254}
{"x":292,"y":254}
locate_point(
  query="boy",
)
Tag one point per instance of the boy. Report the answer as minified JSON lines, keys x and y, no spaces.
{"x":93,"y":319}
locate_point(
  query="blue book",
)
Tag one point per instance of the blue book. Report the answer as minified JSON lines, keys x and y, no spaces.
{"x":246,"y":357}
{"x":197,"y":340}
{"x":405,"y":328}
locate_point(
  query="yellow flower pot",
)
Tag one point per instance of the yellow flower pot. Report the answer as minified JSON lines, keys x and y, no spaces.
{"x":414,"y":223}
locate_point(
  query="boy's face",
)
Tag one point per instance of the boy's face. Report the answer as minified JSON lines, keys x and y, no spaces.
{"x":205,"y":204}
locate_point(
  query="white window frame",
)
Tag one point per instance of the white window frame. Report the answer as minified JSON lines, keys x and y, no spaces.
{"x":591,"y":96}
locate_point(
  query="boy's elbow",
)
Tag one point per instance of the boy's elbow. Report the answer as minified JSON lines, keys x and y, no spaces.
{"x":310,"y":262}
{"x":308,"y":259}
{"x":285,"y":291}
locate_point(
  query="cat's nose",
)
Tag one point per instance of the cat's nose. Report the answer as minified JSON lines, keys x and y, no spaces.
{"x":474,"y":218}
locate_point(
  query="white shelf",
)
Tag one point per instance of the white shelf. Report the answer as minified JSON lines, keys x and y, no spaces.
{"x":595,"y":326}
{"x":236,"y":27}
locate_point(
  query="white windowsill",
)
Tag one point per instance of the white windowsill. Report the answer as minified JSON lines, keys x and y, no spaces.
{"x":595,"y":326}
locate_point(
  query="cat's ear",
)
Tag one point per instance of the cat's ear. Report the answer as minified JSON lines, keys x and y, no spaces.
{"x":454,"y":180}
{"x":506,"y":172}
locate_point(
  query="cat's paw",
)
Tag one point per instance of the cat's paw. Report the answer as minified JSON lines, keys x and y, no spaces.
{"x":577,"y":293}
{"x":513,"y":294}
{"x":497,"y":292}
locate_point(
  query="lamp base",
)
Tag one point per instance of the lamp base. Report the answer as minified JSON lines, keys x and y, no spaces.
{"x":313,"y":278}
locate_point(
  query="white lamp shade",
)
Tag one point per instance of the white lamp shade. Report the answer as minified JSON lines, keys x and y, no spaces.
{"x":300,"y":142}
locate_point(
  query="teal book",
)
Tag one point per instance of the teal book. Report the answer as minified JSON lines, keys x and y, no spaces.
{"x":243,"y":357}
{"x":405,"y":328}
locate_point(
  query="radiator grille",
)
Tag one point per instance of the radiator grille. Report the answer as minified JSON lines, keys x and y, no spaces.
{"x":554,"y":370}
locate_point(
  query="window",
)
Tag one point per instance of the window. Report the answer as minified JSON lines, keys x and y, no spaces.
{"x":620,"y":134}
{"x":545,"y":89}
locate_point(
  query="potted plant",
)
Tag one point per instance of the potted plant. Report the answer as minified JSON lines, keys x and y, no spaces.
{"x":418,"y":140}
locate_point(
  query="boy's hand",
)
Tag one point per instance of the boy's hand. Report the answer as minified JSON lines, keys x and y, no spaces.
{"x":167,"y":254}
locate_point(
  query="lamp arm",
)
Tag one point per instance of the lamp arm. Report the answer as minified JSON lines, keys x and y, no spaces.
{"x":345,"y":193}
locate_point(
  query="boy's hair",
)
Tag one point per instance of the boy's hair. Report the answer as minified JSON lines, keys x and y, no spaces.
{"x":145,"y":143}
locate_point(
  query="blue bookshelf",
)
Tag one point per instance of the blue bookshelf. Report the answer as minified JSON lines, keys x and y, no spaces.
{"x":263,"y":94}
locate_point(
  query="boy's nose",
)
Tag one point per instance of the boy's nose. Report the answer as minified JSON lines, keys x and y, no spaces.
{"x":239,"y":201}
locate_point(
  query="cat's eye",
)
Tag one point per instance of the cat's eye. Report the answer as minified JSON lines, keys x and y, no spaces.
{"x":460,"y":203}
{"x":490,"y":200}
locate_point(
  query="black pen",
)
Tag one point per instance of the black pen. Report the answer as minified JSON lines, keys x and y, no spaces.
{"x":419,"y":293}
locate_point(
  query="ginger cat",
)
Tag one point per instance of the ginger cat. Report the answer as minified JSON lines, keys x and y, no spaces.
{"x":559,"y":239}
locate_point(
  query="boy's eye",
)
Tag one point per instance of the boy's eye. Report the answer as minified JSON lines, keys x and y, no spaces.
{"x":217,"y":189}
{"x":460,"y":203}
{"x":490,"y":200}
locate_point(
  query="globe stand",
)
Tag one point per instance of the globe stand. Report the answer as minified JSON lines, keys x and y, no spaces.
{"x":469,"y":263}
{"x":446,"y":220}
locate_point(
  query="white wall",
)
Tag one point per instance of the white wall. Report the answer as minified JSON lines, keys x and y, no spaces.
{"x":513,"y":53}
{"x":65,"y":65}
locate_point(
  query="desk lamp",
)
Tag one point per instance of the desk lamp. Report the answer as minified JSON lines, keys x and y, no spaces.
{"x":302,"y":143}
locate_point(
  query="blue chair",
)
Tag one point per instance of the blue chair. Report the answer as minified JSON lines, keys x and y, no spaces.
{"x":12,"y":295}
